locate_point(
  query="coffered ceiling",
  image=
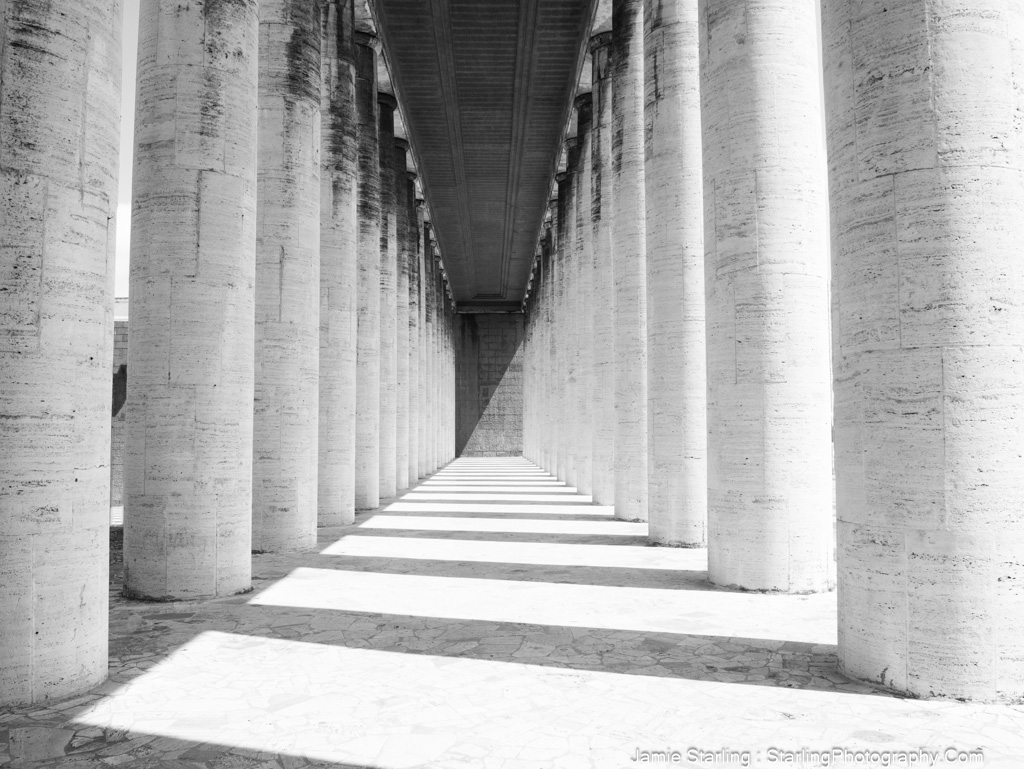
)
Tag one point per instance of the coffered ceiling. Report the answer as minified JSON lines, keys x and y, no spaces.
{"x":486,"y":87}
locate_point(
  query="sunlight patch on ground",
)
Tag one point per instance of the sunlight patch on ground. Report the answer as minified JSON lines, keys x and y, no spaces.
{"x":808,"y":619}
{"x":537,"y":553}
{"x":496,"y":508}
{"x":609,"y":528}
{"x":392,"y":710}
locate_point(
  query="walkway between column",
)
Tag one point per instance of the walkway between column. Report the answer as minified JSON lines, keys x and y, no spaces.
{"x":490,"y":617}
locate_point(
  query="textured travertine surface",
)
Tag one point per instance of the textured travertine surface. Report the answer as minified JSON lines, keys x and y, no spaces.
{"x":188,"y":470}
{"x":676,"y":365}
{"x":430,"y":386}
{"x":583,"y":296}
{"x":769,"y":523}
{"x":403,"y":246}
{"x":569,"y":326}
{"x":368,"y":240}
{"x":388,"y":297}
{"x":415,"y":259}
{"x":287,"y":374}
{"x":559,"y":420}
{"x":925,"y":156}
{"x":626,"y":64}
{"x":603,"y":317}
{"x":424,"y":349}
{"x":60,"y":81}
{"x":339,"y":169}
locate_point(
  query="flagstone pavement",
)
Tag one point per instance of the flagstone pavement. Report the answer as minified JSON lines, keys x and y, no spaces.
{"x":491,"y":617}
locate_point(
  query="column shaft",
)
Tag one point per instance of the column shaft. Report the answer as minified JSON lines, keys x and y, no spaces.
{"x":287,"y":372}
{"x":388,"y":299}
{"x":676,"y":364}
{"x":415,"y":361}
{"x":769,"y":479}
{"x":367,"y":468}
{"x":925,"y":159}
{"x":570,"y":324}
{"x":339,"y":171}
{"x":584,"y":289}
{"x":628,"y":259}
{"x":188,"y":465}
{"x":60,"y":92}
{"x":430,"y":295}
{"x":602,"y":320}
{"x":402,"y":316}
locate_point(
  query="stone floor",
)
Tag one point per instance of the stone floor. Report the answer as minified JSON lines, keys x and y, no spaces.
{"x":491,"y":617}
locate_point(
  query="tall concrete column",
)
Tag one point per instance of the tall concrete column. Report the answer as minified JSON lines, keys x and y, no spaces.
{"x":570,"y":321}
{"x":388,"y":298}
{"x":629,"y":255}
{"x":602,"y":321}
{"x":925,"y":157}
{"x":287,"y":375}
{"x":559,"y":232}
{"x":367,"y":468}
{"x":676,"y":365}
{"x":430,"y":293}
{"x":769,"y":477}
{"x":60,"y":92}
{"x":188,"y":465}
{"x":555,"y":379}
{"x":424,"y":335}
{"x":415,"y":362}
{"x":339,"y":170}
{"x":584,"y":280}
{"x":402,"y":242}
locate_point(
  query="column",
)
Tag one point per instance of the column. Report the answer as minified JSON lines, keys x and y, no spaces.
{"x":554,"y":396}
{"x":925,"y":152}
{"x":626,"y":64}
{"x":602,"y":321}
{"x":415,"y":362}
{"x":559,"y":232}
{"x":367,"y":470}
{"x":287,"y":373}
{"x":388,"y":299}
{"x":188,"y":465}
{"x":430,"y":293}
{"x":584,"y":289}
{"x":570,"y":322}
{"x":339,"y":170}
{"x":424,"y":348}
{"x":769,"y":476}
{"x":676,"y":365}
{"x":60,"y":90}
{"x":403,"y":245}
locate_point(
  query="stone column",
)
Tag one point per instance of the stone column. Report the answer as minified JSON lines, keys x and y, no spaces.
{"x":430,"y":294}
{"x":602,"y":460}
{"x":424,"y":348}
{"x":188,"y":465}
{"x":287,"y":375}
{"x":676,"y":365}
{"x":554,"y":396}
{"x":584,"y":280}
{"x":769,"y":477}
{"x":415,"y":364}
{"x":626,"y":63}
{"x":570,"y":322}
{"x":925,"y":152}
{"x":559,"y":232}
{"x":60,"y":92}
{"x":339,"y":171}
{"x":388,"y":299}
{"x":367,"y":470}
{"x":402,"y":243}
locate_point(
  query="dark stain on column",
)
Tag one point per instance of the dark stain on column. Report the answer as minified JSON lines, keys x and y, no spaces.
{"x":302,"y":54}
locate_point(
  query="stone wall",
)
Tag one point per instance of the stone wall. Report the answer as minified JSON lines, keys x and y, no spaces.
{"x":117,"y":411}
{"x":489,"y":381}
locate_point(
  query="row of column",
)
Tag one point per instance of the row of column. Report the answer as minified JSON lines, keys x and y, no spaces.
{"x":705,"y":360}
{"x":290,"y":353}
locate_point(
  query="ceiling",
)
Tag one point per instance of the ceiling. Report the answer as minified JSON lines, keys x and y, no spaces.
{"x":486,"y":87}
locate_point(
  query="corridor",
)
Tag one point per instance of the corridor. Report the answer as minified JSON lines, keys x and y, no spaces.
{"x":488,"y":617}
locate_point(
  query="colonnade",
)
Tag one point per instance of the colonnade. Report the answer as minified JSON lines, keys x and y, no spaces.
{"x":290,"y":353}
{"x":693,"y":316}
